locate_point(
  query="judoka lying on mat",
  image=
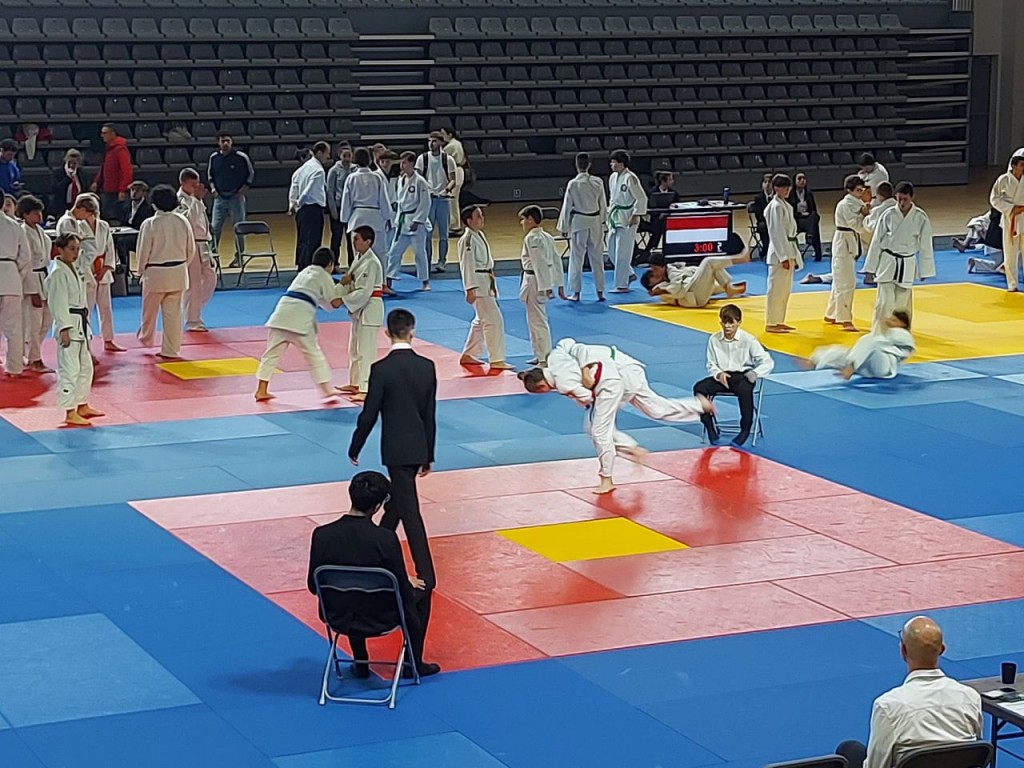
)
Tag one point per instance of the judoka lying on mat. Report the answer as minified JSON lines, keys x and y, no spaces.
{"x":875,"y":356}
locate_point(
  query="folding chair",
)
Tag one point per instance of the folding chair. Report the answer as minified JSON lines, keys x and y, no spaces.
{"x":255,"y":229}
{"x":552,"y":214}
{"x":970,"y":754}
{"x":363,"y":581}
{"x":732,"y":427}
{"x":826,"y":761}
{"x":754,"y":241}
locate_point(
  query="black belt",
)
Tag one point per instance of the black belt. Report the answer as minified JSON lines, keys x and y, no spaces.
{"x":584,"y":213}
{"x":364,"y":207}
{"x":900,"y":263}
{"x":860,"y":247}
{"x":44,"y":270}
{"x":166,"y":264}
{"x":529,"y":272}
{"x":83,"y":315}
{"x":301,"y":296}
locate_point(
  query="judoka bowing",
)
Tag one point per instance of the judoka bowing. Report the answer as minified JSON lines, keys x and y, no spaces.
{"x":361,"y":292}
{"x":1007,"y":197}
{"x":875,"y":356}
{"x":903,"y":234}
{"x":293,"y":322}
{"x":603,"y":379}
{"x":542,"y":274}
{"x":846,"y":249}
{"x":693,"y":287}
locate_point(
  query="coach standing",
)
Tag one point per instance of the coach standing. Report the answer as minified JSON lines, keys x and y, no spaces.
{"x":307,"y":201}
{"x":115,"y":174}
{"x":230,"y":174}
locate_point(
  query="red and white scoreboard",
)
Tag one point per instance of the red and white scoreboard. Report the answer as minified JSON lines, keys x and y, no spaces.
{"x":693,"y":232}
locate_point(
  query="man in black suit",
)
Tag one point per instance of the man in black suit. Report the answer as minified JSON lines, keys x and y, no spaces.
{"x":403,"y":391}
{"x":354,"y":540}
{"x":69,"y":181}
{"x":805,"y":208}
{"x":136,"y":210}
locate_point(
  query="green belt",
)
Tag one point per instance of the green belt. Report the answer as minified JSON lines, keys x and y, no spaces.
{"x":615,"y":209}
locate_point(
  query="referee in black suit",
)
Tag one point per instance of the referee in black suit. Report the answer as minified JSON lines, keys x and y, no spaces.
{"x":403,"y":391}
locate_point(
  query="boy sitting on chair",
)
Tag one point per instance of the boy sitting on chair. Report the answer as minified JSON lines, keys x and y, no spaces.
{"x":736,"y":360}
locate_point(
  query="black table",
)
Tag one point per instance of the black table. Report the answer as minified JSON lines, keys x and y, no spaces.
{"x":1001,"y":716}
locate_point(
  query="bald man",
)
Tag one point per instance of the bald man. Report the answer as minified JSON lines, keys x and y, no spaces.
{"x":928,"y":710}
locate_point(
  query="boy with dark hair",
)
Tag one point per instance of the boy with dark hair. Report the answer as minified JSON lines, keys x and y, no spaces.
{"x":36,"y":319}
{"x":362,"y":293}
{"x":736,"y":360}
{"x":542,"y":273}
{"x":477,"y":266}
{"x":783,"y":255}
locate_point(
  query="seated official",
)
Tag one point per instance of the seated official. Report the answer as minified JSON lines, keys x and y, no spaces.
{"x":355,"y":540}
{"x":736,"y":360}
{"x":661,"y":196}
{"x":805,"y":208}
{"x":136,"y":210}
{"x":756,"y":210}
{"x":928,"y":710}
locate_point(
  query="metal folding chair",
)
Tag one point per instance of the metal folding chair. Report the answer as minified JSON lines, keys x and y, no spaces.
{"x":970,"y":754}
{"x":366,"y":581}
{"x":754,"y":240}
{"x":732,"y":427}
{"x":826,"y":761}
{"x":245,"y":229}
{"x":552,"y":214}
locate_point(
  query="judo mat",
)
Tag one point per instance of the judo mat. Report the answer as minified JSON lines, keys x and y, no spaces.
{"x":153,"y":608}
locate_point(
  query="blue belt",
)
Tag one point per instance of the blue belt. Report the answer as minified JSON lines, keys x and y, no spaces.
{"x":301,"y":296}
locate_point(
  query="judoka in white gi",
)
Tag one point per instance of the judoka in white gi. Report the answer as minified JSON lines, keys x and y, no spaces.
{"x":293,"y":323}
{"x":15,"y":268}
{"x":487,"y":331}
{"x":66,"y":295}
{"x":35,"y":314}
{"x":164,"y":249}
{"x":413,"y":225}
{"x":542,"y":274}
{"x":365,"y":201}
{"x":385,"y":161}
{"x":875,"y":356}
{"x":604,"y":379}
{"x":362,"y":294}
{"x":627,"y":203}
{"x":202,"y":272}
{"x":783,"y":255}
{"x":682,"y":285}
{"x":582,"y":220}
{"x":903,"y":234}
{"x":873,"y":172}
{"x":987,"y":230}
{"x":1007,"y":197}
{"x":846,"y":249}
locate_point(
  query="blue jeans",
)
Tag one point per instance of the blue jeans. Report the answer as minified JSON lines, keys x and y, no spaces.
{"x":224,"y":208}
{"x":440,"y":208}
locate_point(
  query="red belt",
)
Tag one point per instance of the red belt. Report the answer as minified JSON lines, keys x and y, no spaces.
{"x":377,"y":294}
{"x":598,"y":370}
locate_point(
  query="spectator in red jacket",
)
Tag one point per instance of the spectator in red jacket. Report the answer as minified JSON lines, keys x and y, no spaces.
{"x":115,"y":174}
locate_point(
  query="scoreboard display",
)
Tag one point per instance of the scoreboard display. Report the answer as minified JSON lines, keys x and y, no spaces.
{"x":689,"y":235}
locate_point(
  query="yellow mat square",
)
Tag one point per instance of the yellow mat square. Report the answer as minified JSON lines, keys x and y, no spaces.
{"x":591,"y":539}
{"x":211,"y":369}
{"x":953,"y":321}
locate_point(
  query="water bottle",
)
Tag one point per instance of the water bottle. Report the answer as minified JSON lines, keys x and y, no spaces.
{"x":725,"y":195}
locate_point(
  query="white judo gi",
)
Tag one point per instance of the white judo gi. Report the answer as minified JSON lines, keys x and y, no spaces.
{"x":542,"y":273}
{"x":365,"y":202}
{"x":412,"y":227}
{"x":620,"y":381}
{"x":877,"y":209}
{"x":94,"y":245}
{"x":294,"y":322}
{"x":582,"y":220}
{"x":626,"y":198}
{"x":782,"y":246}
{"x":164,"y":248}
{"x":363,"y":298}
{"x":66,"y":296}
{"x":874,"y":177}
{"x":874,"y":356}
{"x":202,"y":273}
{"x":36,"y":321}
{"x":15,"y":266}
{"x":693,"y":287}
{"x":846,"y":249}
{"x":487,"y":331}
{"x":896,"y":245}
{"x":1008,"y":193}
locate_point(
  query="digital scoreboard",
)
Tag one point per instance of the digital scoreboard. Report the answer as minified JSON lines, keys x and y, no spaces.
{"x":696,"y":234}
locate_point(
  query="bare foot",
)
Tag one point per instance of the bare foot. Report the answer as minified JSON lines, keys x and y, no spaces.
{"x":264,"y":397}
{"x":426,"y":286}
{"x":850,"y":328}
{"x":574,"y":297}
{"x":13,"y":375}
{"x":40,"y":367}
{"x":736,"y":289}
{"x":348,"y":389}
{"x":468,"y":360}
{"x":805,"y":364}
{"x":606,"y":486}
{"x":618,"y":290}
{"x":162,"y":356}
{"x":810,"y":279}
{"x":501,"y":365}
{"x":847,"y":373}
{"x":110,"y":346}
{"x":561,"y":293}
{"x":72,"y":419}
{"x":89,"y":413}
{"x":959,"y":245}
{"x":970,"y":265}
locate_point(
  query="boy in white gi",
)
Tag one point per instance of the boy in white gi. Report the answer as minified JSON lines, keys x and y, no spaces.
{"x":903,"y":232}
{"x":783,"y":255}
{"x":165,"y":247}
{"x":413,"y":225}
{"x":293,"y":322}
{"x":875,"y":356}
{"x":364,"y":199}
{"x":603,"y":379}
{"x":874,"y":211}
{"x":66,"y":296}
{"x":1007,"y":197}
{"x":627,"y":203}
{"x":542,"y":273}
{"x":15,"y":267}
{"x":682,"y":285}
{"x":487,"y":331}
{"x":736,"y":360}
{"x":846,"y":249}
{"x":202,"y":274}
{"x":35,"y":316}
{"x":582,"y":220}
{"x":872,"y":172}
{"x":362,"y":294}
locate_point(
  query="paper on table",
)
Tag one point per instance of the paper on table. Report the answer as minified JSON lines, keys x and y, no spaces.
{"x":1017,"y":707}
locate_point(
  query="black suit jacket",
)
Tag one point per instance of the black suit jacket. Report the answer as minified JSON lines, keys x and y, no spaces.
{"x":812,"y":204}
{"x":144,"y":212}
{"x":403,"y":391}
{"x":358,"y":541}
{"x":59,"y":190}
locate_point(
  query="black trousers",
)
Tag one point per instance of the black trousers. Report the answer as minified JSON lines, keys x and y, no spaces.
{"x":740,"y":386}
{"x":338,"y":234}
{"x":810,"y":225}
{"x":309,"y":226}
{"x":854,"y":752}
{"x":762,"y":235}
{"x":413,"y":622}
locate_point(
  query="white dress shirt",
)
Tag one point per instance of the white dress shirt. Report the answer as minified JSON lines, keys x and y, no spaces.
{"x":928,"y":710}
{"x":309,"y":185}
{"x":740,"y":354}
